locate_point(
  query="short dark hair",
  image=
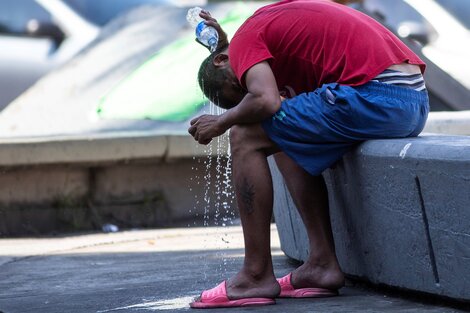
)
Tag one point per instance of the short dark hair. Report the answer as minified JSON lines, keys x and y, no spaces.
{"x":211,"y":80}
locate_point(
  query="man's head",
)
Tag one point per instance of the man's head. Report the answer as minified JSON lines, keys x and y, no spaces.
{"x":218,"y":81}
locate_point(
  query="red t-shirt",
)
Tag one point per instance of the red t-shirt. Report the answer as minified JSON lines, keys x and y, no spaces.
{"x":315,"y":42}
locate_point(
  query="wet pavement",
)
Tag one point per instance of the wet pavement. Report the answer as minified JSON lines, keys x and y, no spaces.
{"x":157,"y":270}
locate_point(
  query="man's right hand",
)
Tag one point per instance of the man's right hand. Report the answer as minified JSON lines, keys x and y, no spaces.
{"x":206,"y":127}
{"x":210,"y":21}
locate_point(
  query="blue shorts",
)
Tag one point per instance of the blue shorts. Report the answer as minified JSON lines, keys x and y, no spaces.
{"x":316,"y":129}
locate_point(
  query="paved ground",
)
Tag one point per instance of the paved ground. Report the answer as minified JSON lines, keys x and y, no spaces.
{"x":154,"y":270}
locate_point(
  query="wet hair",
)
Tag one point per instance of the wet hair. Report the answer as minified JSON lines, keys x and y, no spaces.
{"x":212,"y":79}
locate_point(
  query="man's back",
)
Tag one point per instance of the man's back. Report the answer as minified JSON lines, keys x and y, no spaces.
{"x":311,"y":43}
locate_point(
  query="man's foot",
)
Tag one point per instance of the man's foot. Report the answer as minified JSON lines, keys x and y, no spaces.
{"x":246,"y":285}
{"x":289,"y":291}
{"x":312,"y":282}
{"x":217,"y":298}
{"x":245,"y":289}
{"x":318,"y":276}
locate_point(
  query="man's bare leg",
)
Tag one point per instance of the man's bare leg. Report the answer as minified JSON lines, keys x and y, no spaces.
{"x":311,"y":199}
{"x":253,"y":187}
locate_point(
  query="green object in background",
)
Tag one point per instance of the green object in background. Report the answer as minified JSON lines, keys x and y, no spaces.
{"x":165,"y":86}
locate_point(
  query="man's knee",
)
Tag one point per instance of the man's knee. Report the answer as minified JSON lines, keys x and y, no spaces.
{"x":239,"y":138}
{"x":250,"y":137}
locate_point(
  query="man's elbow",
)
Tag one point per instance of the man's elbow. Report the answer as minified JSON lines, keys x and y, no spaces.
{"x":271,"y":104}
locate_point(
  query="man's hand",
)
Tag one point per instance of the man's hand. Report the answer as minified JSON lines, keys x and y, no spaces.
{"x":210,"y":21}
{"x":205,"y":127}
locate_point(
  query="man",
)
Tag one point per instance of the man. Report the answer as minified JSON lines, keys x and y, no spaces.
{"x":343,"y":78}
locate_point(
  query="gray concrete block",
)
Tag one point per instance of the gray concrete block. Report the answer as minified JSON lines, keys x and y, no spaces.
{"x":24,"y":186}
{"x":448,"y":216}
{"x":169,"y":145}
{"x":400,"y":214}
{"x":97,"y":148}
{"x":181,"y":185}
{"x":39,"y":199}
{"x":370,"y":209}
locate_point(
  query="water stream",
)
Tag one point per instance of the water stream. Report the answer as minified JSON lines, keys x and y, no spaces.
{"x":214,"y":173}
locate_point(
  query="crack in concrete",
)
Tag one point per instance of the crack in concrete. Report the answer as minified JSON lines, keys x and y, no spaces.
{"x":400,"y":212}
{"x":432,"y":256}
{"x":456,"y":233}
{"x":389,"y":208}
{"x":460,"y":256}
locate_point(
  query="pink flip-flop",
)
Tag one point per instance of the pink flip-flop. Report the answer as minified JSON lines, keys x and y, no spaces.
{"x":217,"y":298}
{"x":288,"y":291}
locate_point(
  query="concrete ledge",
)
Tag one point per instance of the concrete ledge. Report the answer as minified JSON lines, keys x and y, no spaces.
{"x":99,"y":148}
{"x":451,"y":123}
{"x":400,"y":211}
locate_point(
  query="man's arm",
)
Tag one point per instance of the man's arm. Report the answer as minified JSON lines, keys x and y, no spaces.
{"x":261,"y":102}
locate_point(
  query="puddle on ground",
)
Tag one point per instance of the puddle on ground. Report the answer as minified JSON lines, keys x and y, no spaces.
{"x":160,"y":305}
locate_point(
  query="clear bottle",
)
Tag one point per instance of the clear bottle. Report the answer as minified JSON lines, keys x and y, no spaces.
{"x":207,"y":35}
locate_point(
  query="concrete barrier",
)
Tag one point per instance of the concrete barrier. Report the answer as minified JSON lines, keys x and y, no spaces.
{"x":76,"y":183}
{"x":400,"y":212}
{"x":451,"y":123}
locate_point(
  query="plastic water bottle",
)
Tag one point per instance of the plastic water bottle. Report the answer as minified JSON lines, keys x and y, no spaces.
{"x":207,"y":35}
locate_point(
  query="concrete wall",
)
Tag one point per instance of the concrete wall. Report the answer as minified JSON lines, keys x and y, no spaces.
{"x":73,"y":184}
{"x":58,"y":198}
{"x":400,"y":212}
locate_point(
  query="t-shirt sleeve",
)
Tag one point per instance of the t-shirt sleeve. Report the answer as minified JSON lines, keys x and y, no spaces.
{"x":246,"y":50}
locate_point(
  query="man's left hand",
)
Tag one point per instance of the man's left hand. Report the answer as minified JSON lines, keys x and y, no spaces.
{"x":205,"y":127}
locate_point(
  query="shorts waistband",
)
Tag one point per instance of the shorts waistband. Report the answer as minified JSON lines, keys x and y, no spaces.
{"x":393,"y":91}
{"x":401,"y":79}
